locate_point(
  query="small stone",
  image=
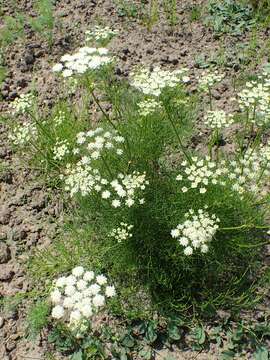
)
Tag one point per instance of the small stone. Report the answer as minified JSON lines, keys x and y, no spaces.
{"x":126,"y":51}
{"x":5,"y":215}
{"x":183,"y":52}
{"x":29,"y":58}
{"x":4,"y":253}
{"x":1,"y":321}
{"x":173,"y":60}
{"x":216,"y":95}
{"x":39,"y":202}
{"x":6,"y":177}
{"x":10,"y":345}
{"x":13,"y":95}
{"x":6,"y":272}
{"x":22,"y":82}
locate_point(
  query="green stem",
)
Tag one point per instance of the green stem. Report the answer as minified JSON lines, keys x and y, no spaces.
{"x":102,"y":110}
{"x":178,"y":137}
{"x":110,"y":121}
{"x":244,"y":226}
{"x":254,"y":245}
{"x":107,"y":166}
{"x":210,"y":98}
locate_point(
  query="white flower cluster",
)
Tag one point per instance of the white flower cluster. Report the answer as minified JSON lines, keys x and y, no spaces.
{"x":252,"y":171}
{"x":80,"y":295}
{"x":218,"y":119}
{"x":149,"y":106}
{"x":197,"y":231}
{"x":255,"y":101}
{"x":84,"y":180}
{"x":100,"y":33}
{"x":22,"y":134}
{"x":209,"y":79}
{"x":123,"y":232}
{"x":23,"y":103}
{"x":85,"y":59}
{"x":60,"y":150}
{"x":201,"y":173}
{"x":153,"y":82}
{"x":98,"y":140}
{"x":71,"y":85}
{"x":126,"y":187}
{"x":59,"y":118}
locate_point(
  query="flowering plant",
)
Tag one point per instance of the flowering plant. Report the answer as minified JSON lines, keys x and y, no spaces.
{"x":79,"y":296}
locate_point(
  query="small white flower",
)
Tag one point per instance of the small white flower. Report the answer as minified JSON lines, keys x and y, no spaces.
{"x":110,"y":291}
{"x":88,"y":276}
{"x":67,"y":73}
{"x":130,"y":202}
{"x":60,"y":282}
{"x":87,"y":311}
{"x":116,"y":203}
{"x":175,"y":233}
{"x":57,"y":67}
{"x":188,"y":250}
{"x":101,"y":279}
{"x":94,"y":288}
{"x":105,"y":194}
{"x":70,"y":290}
{"x":78,"y":271}
{"x":75,"y":316}
{"x":71,"y":280}
{"x":56,"y":296}
{"x":98,"y":300}
{"x":68,"y":302}
{"x":58,"y":312}
{"x":81,"y":284}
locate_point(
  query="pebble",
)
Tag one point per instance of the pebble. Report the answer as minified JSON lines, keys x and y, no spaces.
{"x":4,"y":253}
{"x":5,"y":215}
{"x":6,"y":272}
{"x":1,"y":321}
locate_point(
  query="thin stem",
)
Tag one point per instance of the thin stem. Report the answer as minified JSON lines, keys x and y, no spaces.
{"x":244,"y":226}
{"x":110,"y":121}
{"x":178,"y":137}
{"x":107,"y":166}
{"x":102,"y":110}
{"x":253,"y":245}
{"x":210,"y":98}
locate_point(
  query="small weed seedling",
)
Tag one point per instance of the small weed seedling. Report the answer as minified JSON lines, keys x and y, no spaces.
{"x":44,"y":22}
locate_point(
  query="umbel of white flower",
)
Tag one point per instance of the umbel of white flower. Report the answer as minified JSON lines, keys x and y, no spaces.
{"x":208,"y":79}
{"x":251,"y":172}
{"x":80,"y":295}
{"x":23,"y":134}
{"x":149,"y":106}
{"x":23,"y":103}
{"x":254,"y":100}
{"x":60,"y":150}
{"x":218,"y":119}
{"x":153,"y":82}
{"x":123,"y":232}
{"x":201,"y":173}
{"x":85,"y":59}
{"x":196,"y":232}
{"x":100,"y":33}
{"x":125,"y":190}
{"x":93,"y":143}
